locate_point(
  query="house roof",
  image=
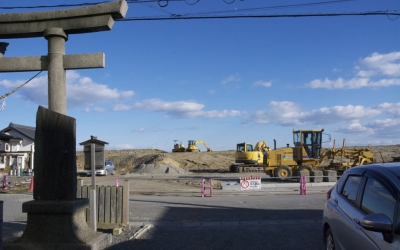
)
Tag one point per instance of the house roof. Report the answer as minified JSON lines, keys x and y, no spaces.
{"x":5,"y":137}
{"x":25,"y":130}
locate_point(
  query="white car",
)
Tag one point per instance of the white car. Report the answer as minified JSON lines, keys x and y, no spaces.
{"x":363,"y":209}
{"x":109,"y":168}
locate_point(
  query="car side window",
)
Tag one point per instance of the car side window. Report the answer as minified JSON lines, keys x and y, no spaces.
{"x":350,"y":188}
{"x":377,"y":199}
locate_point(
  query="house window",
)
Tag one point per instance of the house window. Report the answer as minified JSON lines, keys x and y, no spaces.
{"x":7,"y":147}
{"x":14,"y":148}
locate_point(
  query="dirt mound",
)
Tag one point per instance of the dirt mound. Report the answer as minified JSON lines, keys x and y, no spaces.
{"x":158,"y":169}
{"x":157,"y":164}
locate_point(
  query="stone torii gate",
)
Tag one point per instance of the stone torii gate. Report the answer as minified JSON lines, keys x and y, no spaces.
{"x":55,"y":216}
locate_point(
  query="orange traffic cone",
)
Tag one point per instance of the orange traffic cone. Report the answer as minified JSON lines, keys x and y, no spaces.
{"x":31,"y":185}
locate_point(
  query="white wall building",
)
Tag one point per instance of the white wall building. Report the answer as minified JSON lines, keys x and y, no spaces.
{"x":17,"y":146}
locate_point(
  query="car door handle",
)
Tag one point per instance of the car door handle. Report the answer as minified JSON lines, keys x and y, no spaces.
{"x":336,"y":201}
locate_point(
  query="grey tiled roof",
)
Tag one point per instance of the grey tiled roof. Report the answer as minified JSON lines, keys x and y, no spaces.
{"x":5,"y":136}
{"x":25,"y":130}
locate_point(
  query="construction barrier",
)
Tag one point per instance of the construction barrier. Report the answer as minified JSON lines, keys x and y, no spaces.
{"x":303,"y":185}
{"x":31,"y":185}
{"x":5,"y":182}
{"x":203,"y":188}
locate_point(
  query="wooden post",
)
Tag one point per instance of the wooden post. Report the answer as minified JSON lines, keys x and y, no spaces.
{"x":101,"y":204}
{"x":107,"y":205}
{"x":119,"y":204}
{"x":125,"y":203}
{"x":93,"y":203}
{"x":113,"y":205}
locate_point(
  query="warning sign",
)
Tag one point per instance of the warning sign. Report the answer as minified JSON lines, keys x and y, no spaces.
{"x":250,"y":183}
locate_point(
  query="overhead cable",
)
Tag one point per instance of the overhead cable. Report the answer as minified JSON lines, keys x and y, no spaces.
{"x":161,"y":3}
{"x":178,"y":17}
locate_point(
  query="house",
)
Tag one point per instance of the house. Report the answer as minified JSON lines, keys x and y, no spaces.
{"x":17,"y":147}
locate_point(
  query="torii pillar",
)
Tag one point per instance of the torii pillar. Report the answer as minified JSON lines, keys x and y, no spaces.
{"x":56,"y":218}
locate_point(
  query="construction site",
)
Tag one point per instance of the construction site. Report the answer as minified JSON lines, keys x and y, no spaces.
{"x":337,"y":158}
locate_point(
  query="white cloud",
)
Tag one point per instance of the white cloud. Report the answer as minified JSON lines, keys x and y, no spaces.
{"x":354,"y":128}
{"x":355,"y":83}
{"x":387,"y":65}
{"x":232,"y":78}
{"x":282,"y":113}
{"x":121,"y":146}
{"x":381,"y":64}
{"x":95,"y":110}
{"x":339,"y":113}
{"x":392,"y":109}
{"x":81,"y":91}
{"x":387,"y":128}
{"x":290,"y":114}
{"x":262,"y":83}
{"x":349,"y":118}
{"x":182,"y":109}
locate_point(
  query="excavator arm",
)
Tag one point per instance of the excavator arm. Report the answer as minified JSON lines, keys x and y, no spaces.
{"x":204,"y":143}
{"x":261,"y":146}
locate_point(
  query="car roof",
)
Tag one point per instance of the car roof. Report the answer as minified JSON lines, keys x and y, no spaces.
{"x":391,"y":170}
{"x":393,"y":167}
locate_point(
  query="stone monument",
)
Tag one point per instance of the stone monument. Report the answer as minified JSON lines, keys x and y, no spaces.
{"x":55,"y":216}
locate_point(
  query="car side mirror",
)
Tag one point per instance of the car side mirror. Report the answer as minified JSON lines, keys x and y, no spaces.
{"x":379,"y":223}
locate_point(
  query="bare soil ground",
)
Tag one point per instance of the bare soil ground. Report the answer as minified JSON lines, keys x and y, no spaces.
{"x":127,"y":160}
{"x":198,"y":165}
{"x":194,"y":165}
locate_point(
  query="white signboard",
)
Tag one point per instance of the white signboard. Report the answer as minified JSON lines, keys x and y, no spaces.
{"x":250,"y":183}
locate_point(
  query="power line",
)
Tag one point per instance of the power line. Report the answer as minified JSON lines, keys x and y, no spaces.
{"x":161,"y":4}
{"x":272,"y":7}
{"x":178,"y":17}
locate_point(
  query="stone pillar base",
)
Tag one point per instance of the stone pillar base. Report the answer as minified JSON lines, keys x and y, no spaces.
{"x":58,"y":224}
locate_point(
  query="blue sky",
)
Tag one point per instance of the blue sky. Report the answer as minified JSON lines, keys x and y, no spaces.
{"x":225,"y":81}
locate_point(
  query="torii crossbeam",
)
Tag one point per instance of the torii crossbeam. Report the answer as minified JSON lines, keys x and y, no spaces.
{"x":55,"y":26}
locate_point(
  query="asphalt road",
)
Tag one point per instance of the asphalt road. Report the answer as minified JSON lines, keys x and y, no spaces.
{"x":235,"y":222}
{"x":278,"y":219}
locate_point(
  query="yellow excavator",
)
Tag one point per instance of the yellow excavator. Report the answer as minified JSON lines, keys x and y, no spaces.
{"x":192,"y":146}
{"x":178,"y":147}
{"x":282,"y":162}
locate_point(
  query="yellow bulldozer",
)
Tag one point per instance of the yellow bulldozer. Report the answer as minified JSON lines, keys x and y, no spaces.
{"x":282,"y":162}
{"x":192,"y":146}
{"x":178,"y":147}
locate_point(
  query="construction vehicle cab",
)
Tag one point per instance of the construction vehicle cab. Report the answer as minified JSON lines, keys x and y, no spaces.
{"x":246,"y":155}
{"x":178,"y":147}
{"x":307,"y":144}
